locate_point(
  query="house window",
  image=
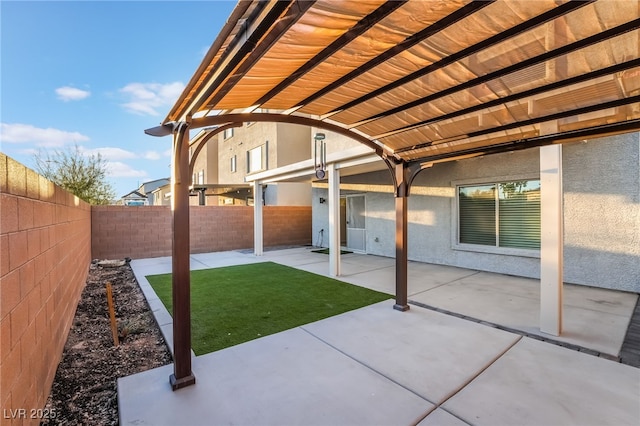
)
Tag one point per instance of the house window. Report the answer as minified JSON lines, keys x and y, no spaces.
{"x":234,"y":163}
{"x":257,"y":159}
{"x":201,"y":177}
{"x":228,"y":133}
{"x":501,"y":214}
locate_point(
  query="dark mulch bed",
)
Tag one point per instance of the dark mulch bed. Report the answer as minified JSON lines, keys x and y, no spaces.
{"x":84,"y":390}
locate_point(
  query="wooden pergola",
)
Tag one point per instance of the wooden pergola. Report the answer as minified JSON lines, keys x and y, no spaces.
{"x":420,"y":82}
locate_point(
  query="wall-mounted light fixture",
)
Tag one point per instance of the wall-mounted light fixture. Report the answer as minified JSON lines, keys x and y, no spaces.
{"x":322,"y":200}
{"x":320,"y":155}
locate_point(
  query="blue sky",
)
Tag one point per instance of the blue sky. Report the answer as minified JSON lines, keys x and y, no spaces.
{"x":96,"y":74}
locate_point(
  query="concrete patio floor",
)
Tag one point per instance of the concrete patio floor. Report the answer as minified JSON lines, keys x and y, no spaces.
{"x":376,"y":365}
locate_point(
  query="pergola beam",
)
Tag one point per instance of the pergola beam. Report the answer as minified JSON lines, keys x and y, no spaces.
{"x":534,"y":142}
{"x":292,"y":15}
{"x":244,"y":46}
{"x":179,"y":107}
{"x":533,"y":121}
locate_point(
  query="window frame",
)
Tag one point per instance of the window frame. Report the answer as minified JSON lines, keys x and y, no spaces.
{"x":264,"y":158}
{"x":234,"y":163}
{"x":455,"y":218}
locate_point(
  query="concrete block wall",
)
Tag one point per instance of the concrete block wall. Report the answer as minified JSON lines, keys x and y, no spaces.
{"x":141,"y":232}
{"x":220,"y":228}
{"x":45,"y":252}
{"x":289,"y":225}
{"x":130,"y":231}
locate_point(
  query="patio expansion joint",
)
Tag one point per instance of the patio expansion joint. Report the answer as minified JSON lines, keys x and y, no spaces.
{"x":447,"y":283}
{"x":371,"y":369}
{"x":530,"y":335}
{"x":465,"y":384}
{"x":193,"y":259}
{"x":368,"y":270}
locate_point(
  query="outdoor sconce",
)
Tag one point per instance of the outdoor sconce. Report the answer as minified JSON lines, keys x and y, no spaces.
{"x":320,"y":155}
{"x":322,"y":200}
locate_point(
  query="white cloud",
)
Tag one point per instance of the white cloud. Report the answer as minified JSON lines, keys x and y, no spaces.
{"x":168,"y":153}
{"x":49,"y":137}
{"x":147,"y":98}
{"x":120,"y":169}
{"x":151,"y":155}
{"x":111,"y":153}
{"x":29,"y":151}
{"x":115,"y":154}
{"x":67,"y":93}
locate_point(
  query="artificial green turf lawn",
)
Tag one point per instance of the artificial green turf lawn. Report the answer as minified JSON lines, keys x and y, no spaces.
{"x":235,"y":304}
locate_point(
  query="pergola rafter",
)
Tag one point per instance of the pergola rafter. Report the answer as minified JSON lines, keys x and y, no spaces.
{"x":510,"y":98}
{"x":357,"y":30}
{"x":410,"y":41}
{"x":464,"y":53}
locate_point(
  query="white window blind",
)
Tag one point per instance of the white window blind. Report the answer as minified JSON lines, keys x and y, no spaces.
{"x":505,"y":214}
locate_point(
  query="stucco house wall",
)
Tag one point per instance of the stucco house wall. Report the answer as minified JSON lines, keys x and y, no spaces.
{"x":286,"y":144}
{"x":601,"y":180}
{"x":602,"y":212}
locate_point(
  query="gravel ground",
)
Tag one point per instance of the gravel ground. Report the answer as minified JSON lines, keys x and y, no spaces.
{"x":84,"y":390}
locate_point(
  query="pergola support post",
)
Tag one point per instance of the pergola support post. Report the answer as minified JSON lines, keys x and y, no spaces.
{"x":182,"y":375}
{"x":551,"y":239}
{"x":334,"y":220}
{"x":258,"y":234}
{"x":401,"y":201}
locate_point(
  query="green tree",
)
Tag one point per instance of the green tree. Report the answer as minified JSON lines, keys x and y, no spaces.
{"x":82,"y":175}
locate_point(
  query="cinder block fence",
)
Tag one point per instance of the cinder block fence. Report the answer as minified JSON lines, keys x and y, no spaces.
{"x":47,"y":240}
{"x":45,"y":236}
{"x":145,"y":231}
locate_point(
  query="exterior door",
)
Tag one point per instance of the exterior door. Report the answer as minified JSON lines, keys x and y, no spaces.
{"x":355,"y":221}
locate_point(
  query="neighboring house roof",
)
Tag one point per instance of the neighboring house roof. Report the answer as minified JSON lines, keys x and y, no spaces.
{"x":134,"y":195}
{"x":145,"y":190}
{"x":161,"y":181}
{"x":149,"y":187}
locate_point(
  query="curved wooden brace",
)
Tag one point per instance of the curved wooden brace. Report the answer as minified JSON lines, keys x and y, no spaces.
{"x":226,"y":121}
{"x":203,"y":141}
{"x":181,"y":137}
{"x":217,"y":120}
{"x":412,"y":171}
